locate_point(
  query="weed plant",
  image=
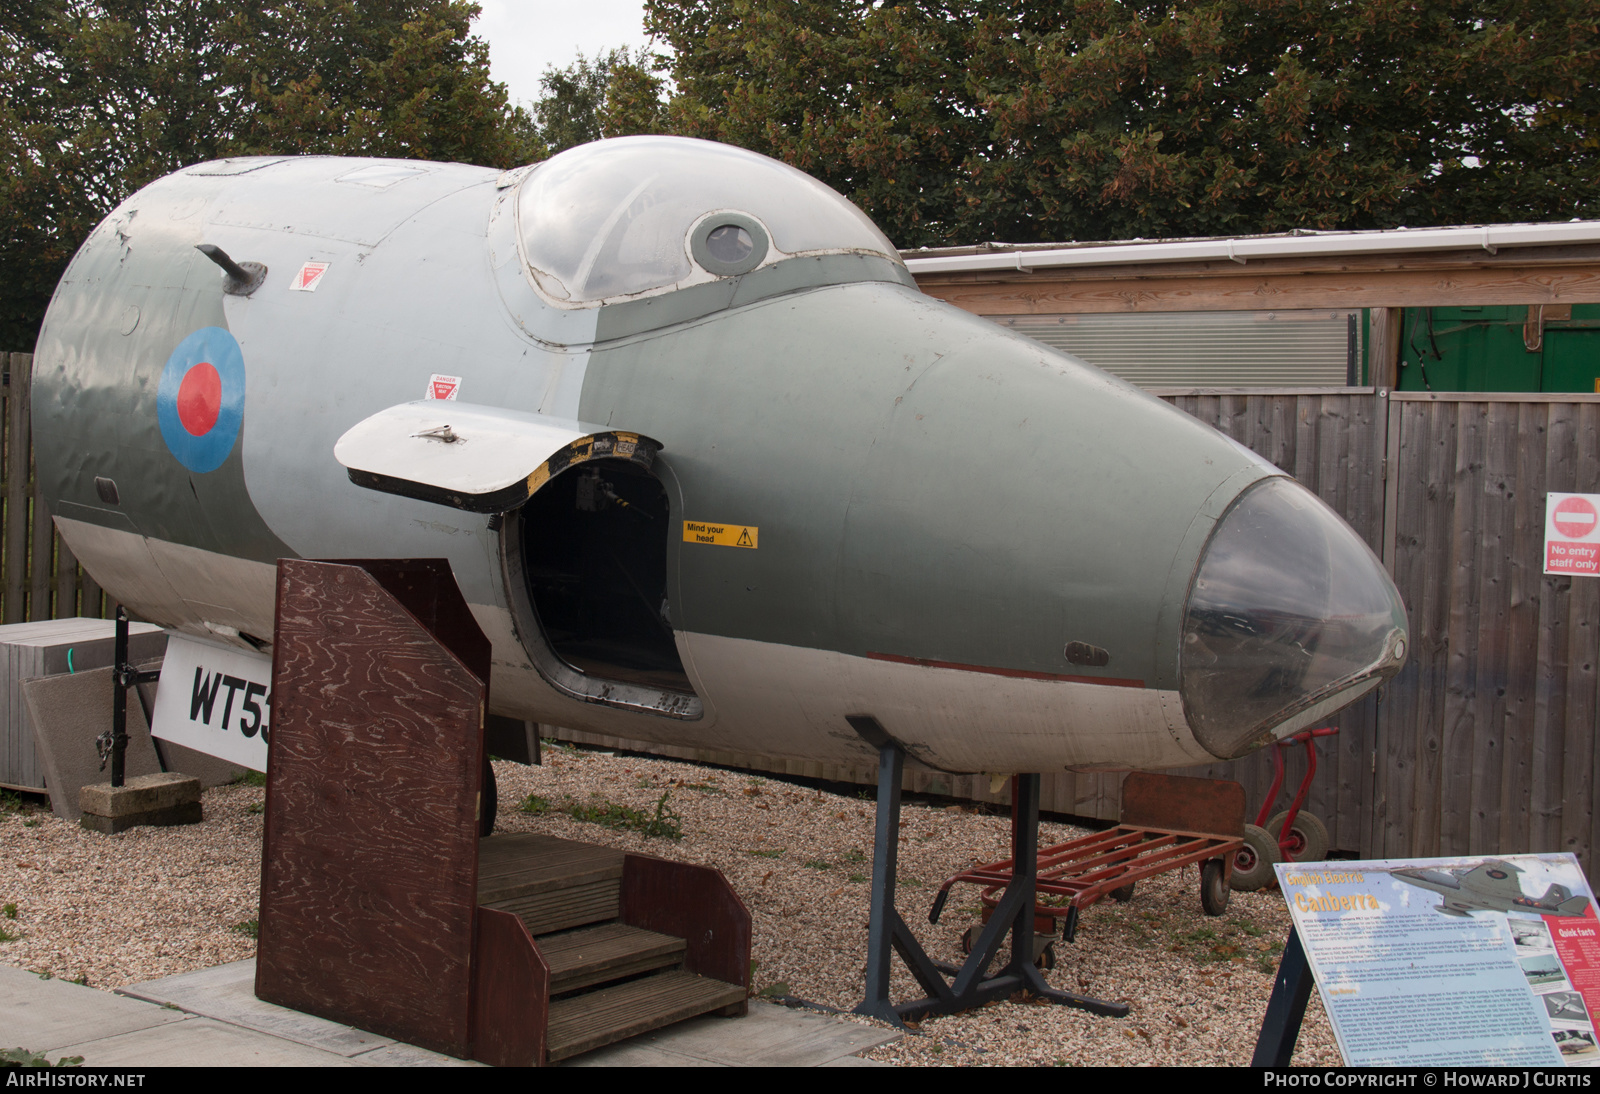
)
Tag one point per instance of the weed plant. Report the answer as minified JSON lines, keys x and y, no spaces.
{"x":664,"y":822}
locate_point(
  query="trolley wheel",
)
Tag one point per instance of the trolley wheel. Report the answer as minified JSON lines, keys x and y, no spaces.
{"x":1308,"y":839}
{"x":1047,"y":959}
{"x":1214,"y":891}
{"x":1124,"y":893}
{"x":966,"y":940}
{"x":1252,"y":863}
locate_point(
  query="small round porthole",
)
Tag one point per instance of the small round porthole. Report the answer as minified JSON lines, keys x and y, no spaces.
{"x":728,"y":243}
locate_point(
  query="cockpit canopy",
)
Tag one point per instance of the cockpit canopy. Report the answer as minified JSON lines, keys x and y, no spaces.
{"x":638,"y":216}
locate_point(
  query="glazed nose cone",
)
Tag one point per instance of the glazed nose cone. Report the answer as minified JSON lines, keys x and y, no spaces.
{"x":1291,"y":617}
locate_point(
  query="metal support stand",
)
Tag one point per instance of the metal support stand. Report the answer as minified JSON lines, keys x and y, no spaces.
{"x":123,"y":677}
{"x":1280,"y":1028}
{"x":972,"y":985}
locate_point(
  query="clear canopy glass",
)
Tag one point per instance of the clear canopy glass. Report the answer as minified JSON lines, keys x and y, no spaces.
{"x":1291,"y":618}
{"x":611,"y":220}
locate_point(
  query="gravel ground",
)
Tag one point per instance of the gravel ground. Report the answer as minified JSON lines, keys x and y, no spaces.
{"x":151,"y":902}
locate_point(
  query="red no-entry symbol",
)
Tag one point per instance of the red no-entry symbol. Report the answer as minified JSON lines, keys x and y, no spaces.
{"x":1574,"y":518}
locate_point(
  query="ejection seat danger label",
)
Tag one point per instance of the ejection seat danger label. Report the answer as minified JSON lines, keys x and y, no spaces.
{"x":722,"y":535}
{"x":1572,"y":534}
{"x":215,"y":699}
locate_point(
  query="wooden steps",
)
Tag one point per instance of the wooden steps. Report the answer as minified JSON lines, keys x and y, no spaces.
{"x":580,"y":1023}
{"x":611,"y":951}
{"x":608,"y":979}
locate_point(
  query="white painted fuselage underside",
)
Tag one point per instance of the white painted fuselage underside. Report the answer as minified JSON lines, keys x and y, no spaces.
{"x":761,"y":698}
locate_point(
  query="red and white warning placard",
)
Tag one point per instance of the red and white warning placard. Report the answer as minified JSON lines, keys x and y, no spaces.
{"x":1572,"y":534}
{"x":309,"y":276}
{"x":442,"y":387}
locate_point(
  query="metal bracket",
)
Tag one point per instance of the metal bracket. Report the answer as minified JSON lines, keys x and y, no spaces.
{"x":973,"y":985}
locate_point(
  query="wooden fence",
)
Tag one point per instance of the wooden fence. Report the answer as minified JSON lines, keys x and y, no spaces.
{"x":39,"y":578}
{"x":1485,"y":743}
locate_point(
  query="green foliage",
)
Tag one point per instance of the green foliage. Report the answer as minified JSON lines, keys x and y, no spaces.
{"x":21,"y":1057}
{"x":956,"y":121}
{"x":9,"y":935}
{"x":100,"y":97}
{"x":9,"y":911}
{"x":818,"y":864}
{"x":664,"y":822}
{"x":612,"y":94}
{"x":251,"y":778}
{"x":250,"y":927}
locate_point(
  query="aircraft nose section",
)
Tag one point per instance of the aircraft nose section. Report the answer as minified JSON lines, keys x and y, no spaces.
{"x":1290,"y":618}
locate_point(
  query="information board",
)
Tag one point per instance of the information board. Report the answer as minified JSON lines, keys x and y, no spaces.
{"x":1452,"y":961}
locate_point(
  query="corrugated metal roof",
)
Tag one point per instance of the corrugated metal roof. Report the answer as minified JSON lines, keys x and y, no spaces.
{"x":1203,"y":349}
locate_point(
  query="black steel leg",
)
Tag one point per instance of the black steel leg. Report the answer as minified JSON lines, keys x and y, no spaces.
{"x":973,"y":985}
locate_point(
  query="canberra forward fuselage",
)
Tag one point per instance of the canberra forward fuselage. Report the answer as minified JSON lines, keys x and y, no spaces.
{"x":708,"y":467}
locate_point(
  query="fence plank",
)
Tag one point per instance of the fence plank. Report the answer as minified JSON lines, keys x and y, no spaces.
{"x":66,"y":602}
{"x":16,"y":474}
{"x":40,"y":559}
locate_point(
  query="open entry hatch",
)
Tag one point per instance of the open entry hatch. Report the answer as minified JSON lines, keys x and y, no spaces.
{"x":583,"y":536}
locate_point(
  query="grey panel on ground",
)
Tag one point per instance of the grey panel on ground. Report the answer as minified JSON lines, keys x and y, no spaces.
{"x":45,"y":1014}
{"x":41,"y":649}
{"x":68,"y":713}
{"x":769,"y":1035}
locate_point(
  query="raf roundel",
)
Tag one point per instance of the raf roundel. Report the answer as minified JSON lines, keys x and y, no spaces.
{"x":200,"y":403}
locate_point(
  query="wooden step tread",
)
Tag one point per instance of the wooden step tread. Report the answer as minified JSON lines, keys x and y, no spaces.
{"x":584,"y":1022}
{"x":524,"y":864}
{"x":594,"y":955}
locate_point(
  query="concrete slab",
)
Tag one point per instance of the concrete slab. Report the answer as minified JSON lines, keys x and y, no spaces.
{"x":44,"y":1014}
{"x":227,"y":993}
{"x":769,"y":1036}
{"x":199,"y":1042}
{"x":212,"y":1018}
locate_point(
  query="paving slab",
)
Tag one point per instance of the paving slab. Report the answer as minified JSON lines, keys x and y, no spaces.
{"x":200,"y":1042}
{"x":41,"y":1014}
{"x":228,"y":993}
{"x":769,"y":1036}
{"x":212,"y":1018}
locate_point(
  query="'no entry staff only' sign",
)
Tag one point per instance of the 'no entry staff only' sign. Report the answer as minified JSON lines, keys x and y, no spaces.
{"x":1572,"y":534}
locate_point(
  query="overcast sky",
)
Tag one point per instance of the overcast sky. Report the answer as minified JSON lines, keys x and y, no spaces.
{"x":526,"y":36}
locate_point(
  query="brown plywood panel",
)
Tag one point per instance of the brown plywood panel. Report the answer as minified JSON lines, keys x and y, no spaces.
{"x":369,"y":870}
{"x":694,"y":903}
{"x":1213,"y":806}
{"x":511,"y":993}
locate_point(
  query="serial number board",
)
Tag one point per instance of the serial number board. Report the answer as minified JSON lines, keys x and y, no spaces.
{"x":215,"y":699}
{"x":1452,"y":961}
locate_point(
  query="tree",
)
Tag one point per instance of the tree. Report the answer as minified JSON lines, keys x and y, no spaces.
{"x":613,"y":94}
{"x":1028,"y":120}
{"x":100,"y":97}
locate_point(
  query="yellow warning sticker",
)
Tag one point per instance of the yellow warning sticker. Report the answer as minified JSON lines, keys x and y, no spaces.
{"x":723,"y":535}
